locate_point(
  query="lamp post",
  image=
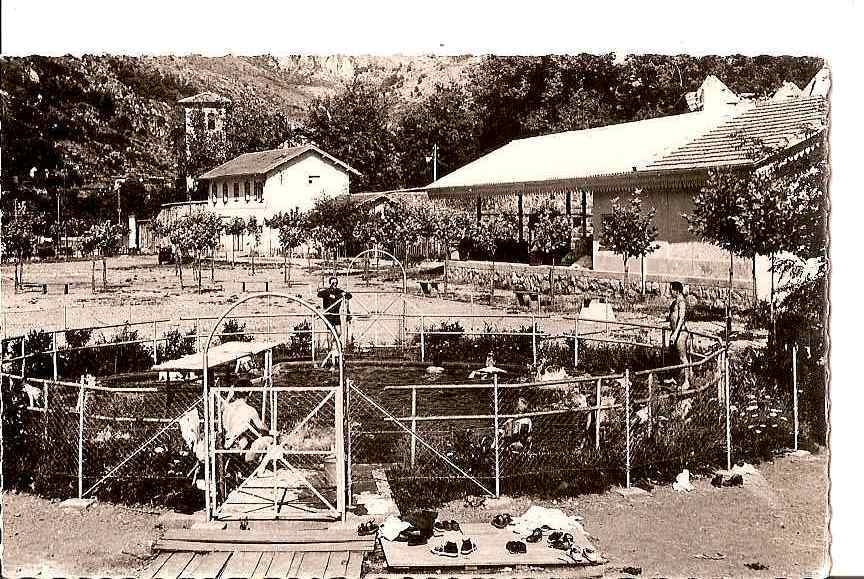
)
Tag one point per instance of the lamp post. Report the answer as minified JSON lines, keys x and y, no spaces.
{"x":494,"y":371}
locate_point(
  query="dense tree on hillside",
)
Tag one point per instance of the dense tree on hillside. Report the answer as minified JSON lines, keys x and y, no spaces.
{"x":444,"y":118}
{"x":356,"y":125}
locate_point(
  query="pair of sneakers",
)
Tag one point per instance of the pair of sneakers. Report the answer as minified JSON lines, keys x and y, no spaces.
{"x":449,"y":548}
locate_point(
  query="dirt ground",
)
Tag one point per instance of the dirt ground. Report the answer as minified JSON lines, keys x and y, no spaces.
{"x":780,"y":525}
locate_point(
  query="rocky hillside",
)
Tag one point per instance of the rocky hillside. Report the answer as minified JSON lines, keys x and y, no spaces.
{"x":98,"y":116}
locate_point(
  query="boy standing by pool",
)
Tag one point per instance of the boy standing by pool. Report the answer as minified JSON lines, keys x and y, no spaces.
{"x":677,"y":325}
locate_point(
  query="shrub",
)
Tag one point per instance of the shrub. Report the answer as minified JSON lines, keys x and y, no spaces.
{"x":299,"y":345}
{"x":176,"y":344}
{"x":234,"y":331}
{"x":39,"y":365}
{"x":76,"y":359}
{"x":118,"y":357}
{"x":444,"y":347}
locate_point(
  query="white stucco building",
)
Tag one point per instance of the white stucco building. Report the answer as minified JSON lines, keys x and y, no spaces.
{"x":268,"y":182}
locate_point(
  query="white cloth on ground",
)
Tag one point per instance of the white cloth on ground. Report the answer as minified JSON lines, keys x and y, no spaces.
{"x":682,"y":482}
{"x":391,"y":527}
{"x":535,"y":517}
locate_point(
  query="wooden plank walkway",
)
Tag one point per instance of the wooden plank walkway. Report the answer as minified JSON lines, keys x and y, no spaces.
{"x":261,"y":554}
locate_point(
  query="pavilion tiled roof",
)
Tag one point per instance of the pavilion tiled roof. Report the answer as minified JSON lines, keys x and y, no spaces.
{"x":744,"y":138}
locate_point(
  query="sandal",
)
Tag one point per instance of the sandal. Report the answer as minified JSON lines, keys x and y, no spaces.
{"x":448,"y":549}
{"x":535,"y":536}
{"x":501,"y":521}
{"x":368,"y":528}
{"x":468,"y":546}
{"x":564,"y":542}
{"x":516,"y":547}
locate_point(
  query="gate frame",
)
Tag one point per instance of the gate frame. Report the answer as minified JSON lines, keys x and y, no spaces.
{"x":209,"y":462}
{"x":378,"y":315}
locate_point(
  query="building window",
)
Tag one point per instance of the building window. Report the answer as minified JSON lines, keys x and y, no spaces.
{"x":224,"y":192}
{"x":211,"y":121}
{"x":236,"y":191}
{"x":246,"y":191}
{"x":313,"y":179}
{"x":214,"y":192}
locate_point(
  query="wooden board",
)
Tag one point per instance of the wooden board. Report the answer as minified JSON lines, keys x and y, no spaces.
{"x":174,"y":566}
{"x":206,"y":565}
{"x":153,"y":568}
{"x":491,"y":552}
{"x":313,"y":566}
{"x":241,"y":565}
{"x":337,"y":565}
{"x":280,"y":565}
{"x":251,"y":536}
{"x":206,"y":547}
{"x":260,"y":571}
{"x":355,"y":565}
{"x":295,"y":564}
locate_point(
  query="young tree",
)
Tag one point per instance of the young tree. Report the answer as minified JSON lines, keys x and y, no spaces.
{"x":234,"y":227}
{"x":550,"y":230}
{"x":451,"y":226}
{"x":19,"y":237}
{"x":101,"y":240}
{"x":629,"y":233}
{"x":253,"y":230}
{"x":292,"y":232}
{"x":200,"y":233}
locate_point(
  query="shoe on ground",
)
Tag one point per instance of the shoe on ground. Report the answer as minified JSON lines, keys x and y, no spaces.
{"x":516,"y":547}
{"x":468,"y":546}
{"x":717,"y":481}
{"x":501,"y":521}
{"x":535,"y":536}
{"x":446,"y":549}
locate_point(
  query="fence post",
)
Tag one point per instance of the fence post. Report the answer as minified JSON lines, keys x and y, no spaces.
{"x":728,"y":414}
{"x":155,"y":343}
{"x":534,"y":338}
{"x":422,"y":338}
{"x":312,"y":335}
{"x":54,"y":354}
{"x":497,"y":450}
{"x":627,"y":422}
{"x":23,"y":357}
{"x":650,"y":404}
{"x":795,"y":392}
{"x":576,"y":342}
{"x":413,"y":425}
{"x":82,"y":402}
{"x":65,"y":324}
{"x":597,"y":417}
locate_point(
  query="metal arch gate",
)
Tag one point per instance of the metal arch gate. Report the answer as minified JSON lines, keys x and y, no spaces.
{"x":368,"y":314}
{"x":302,"y":483}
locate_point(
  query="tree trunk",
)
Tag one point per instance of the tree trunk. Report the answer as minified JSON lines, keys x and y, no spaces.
{"x":233,"y":263}
{"x":446,"y":261}
{"x":772,"y":311}
{"x":624,"y":285}
{"x":284,"y":266}
{"x":753,"y":273}
{"x":198,"y":259}
{"x":180,"y":269}
{"x":290,"y":263}
{"x":213,"y":265}
{"x":104,"y":274}
{"x":252,"y":253}
{"x":93,"y":275}
{"x":729,"y":302}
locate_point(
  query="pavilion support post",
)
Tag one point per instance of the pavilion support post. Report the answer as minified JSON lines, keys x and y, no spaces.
{"x":413,"y":425}
{"x":497,"y":436}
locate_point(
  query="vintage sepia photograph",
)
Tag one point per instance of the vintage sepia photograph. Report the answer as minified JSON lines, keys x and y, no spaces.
{"x":320,"y":315}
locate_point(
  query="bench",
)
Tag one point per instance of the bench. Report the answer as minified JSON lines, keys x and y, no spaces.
{"x":254,"y":281}
{"x":41,"y":287}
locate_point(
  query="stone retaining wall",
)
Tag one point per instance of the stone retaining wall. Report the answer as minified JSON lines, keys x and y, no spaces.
{"x":590,"y":283}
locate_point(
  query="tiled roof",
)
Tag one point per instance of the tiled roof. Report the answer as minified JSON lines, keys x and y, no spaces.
{"x":204,"y":98}
{"x":734,"y":142}
{"x":579,"y":154}
{"x":263,"y":162}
